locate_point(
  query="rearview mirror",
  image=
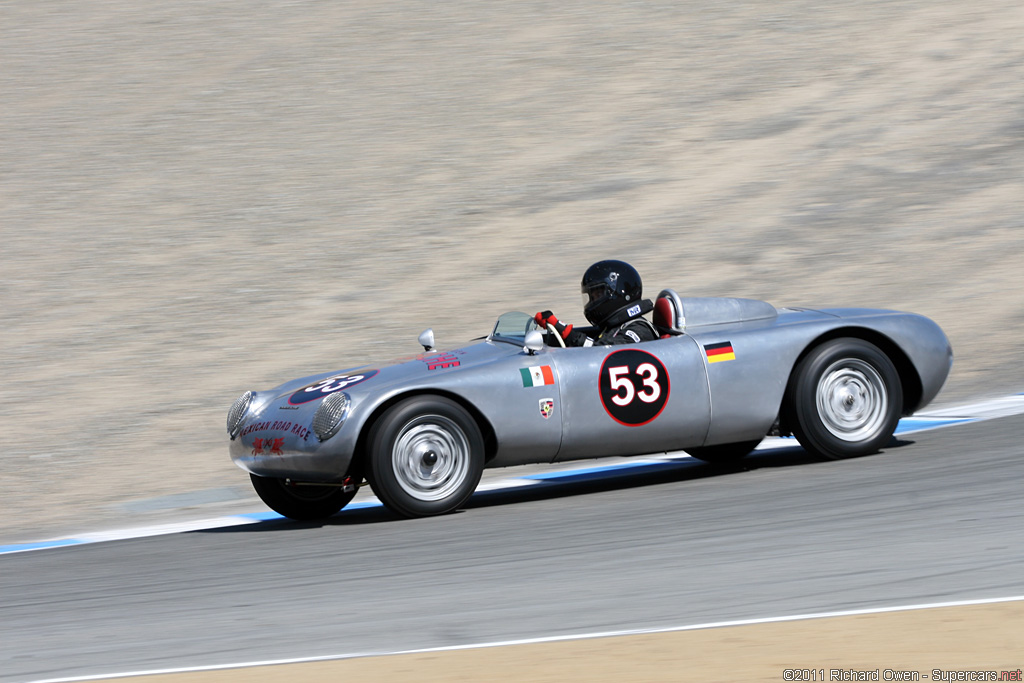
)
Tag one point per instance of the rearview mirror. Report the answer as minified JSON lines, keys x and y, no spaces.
{"x":534,"y":342}
{"x":426,"y":339}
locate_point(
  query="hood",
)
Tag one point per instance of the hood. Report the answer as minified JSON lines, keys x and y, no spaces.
{"x":362,"y":379}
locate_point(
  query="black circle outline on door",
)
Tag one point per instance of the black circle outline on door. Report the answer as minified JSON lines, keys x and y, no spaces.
{"x":645,"y":382}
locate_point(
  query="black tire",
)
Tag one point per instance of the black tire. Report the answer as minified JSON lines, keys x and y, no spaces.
{"x":844,"y":399}
{"x":301,"y":502}
{"x":426,"y":455}
{"x":725,"y":453}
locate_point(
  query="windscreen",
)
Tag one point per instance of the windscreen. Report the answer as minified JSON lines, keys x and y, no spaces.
{"x":513,"y":327}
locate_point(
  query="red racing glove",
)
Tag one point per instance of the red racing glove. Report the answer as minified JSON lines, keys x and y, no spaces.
{"x":545,"y":318}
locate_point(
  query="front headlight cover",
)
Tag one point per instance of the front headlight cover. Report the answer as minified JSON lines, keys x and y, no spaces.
{"x":236,"y":415}
{"x":330,"y":415}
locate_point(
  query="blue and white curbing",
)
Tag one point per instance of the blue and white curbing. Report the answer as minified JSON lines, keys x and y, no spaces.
{"x":926,"y":421}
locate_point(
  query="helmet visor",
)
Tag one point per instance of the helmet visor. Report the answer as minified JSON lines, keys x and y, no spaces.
{"x":593,"y":293}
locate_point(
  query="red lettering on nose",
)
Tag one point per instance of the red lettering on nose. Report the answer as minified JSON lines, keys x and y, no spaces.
{"x":446,"y":360}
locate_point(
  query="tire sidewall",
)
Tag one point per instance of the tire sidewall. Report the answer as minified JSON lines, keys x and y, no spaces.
{"x":807,"y":423}
{"x":385,"y":433}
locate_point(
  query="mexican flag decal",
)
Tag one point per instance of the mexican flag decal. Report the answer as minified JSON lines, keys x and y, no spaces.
{"x":537,"y":376}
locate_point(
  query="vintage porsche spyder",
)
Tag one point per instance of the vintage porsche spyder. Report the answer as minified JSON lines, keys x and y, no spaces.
{"x":725,"y":373}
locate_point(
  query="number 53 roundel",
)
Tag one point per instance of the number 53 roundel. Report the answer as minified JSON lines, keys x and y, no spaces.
{"x":634,"y":387}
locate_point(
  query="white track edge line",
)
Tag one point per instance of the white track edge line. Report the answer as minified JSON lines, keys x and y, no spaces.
{"x":546,"y":639}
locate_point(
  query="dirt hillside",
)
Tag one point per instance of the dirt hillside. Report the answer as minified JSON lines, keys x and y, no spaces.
{"x":198,"y":198}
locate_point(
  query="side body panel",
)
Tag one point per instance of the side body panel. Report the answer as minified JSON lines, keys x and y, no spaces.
{"x":594,"y":424}
{"x":519,"y":396}
{"x":747,"y":385}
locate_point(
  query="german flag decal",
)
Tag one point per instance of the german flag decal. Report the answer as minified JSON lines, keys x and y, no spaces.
{"x":719,"y":352}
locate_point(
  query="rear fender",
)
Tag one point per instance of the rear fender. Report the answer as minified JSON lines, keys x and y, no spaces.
{"x":910,"y":380}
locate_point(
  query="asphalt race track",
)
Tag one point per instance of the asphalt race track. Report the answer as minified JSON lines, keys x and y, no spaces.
{"x":936,"y":518}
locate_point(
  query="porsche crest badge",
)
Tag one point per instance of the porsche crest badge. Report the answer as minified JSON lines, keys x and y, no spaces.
{"x":547,"y":406}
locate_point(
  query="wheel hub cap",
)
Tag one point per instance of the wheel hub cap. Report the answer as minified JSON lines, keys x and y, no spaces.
{"x":431,"y":457}
{"x":852,"y":400}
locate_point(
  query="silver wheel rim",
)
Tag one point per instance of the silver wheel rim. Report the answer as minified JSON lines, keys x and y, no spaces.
{"x":430,"y":457}
{"x":852,"y":400}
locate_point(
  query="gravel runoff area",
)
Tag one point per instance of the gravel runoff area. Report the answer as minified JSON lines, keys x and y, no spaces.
{"x":198,"y":198}
{"x":929,"y":644}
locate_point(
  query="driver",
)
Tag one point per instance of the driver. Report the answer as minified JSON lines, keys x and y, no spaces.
{"x":612,"y":302}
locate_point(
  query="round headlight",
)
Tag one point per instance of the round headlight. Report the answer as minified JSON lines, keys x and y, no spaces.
{"x":329,"y":416}
{"x":237,"y":413}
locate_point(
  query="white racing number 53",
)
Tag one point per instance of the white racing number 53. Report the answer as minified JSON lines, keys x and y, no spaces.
{"x":634,"y":386}
{"x":328,"y":386}
{"x":648,"y":374}
{"x":332,"y":384}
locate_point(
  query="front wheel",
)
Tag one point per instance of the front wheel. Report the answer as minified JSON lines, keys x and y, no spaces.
{"x":844,"y":399}
{"x":426,"y":456}
{"x":303,"y":502}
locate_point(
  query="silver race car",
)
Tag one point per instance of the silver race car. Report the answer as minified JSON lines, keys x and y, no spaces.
{"x":725,"y":373}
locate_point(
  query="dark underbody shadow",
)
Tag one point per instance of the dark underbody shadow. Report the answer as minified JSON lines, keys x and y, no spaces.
{"x":551,"y":486}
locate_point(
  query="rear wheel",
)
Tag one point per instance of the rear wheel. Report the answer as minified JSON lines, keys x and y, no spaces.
{"x":725,"y":453}
{"x":426,"y":456}
{"x":304,"y":502}
{"x":844,"y":399}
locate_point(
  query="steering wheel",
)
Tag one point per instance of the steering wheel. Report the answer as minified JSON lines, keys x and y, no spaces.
{"x":552,"y":330}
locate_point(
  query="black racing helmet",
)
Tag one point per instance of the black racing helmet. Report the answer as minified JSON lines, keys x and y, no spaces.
{"x":607,"y":287}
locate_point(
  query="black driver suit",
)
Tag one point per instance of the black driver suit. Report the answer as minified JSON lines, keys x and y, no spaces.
{"x":626,"y":326}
